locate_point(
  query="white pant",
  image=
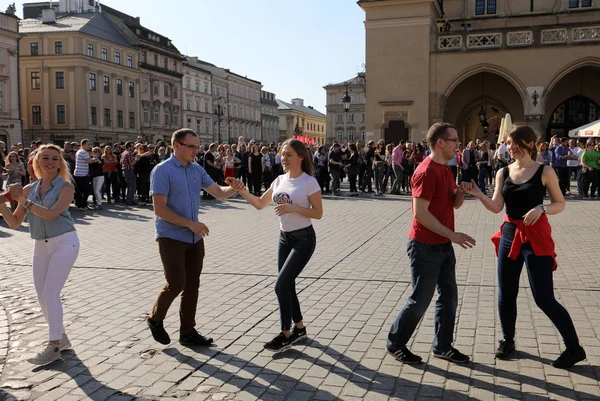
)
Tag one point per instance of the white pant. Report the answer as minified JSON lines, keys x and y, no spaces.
{"x":97,"y":183}
{"x":53,"y":259}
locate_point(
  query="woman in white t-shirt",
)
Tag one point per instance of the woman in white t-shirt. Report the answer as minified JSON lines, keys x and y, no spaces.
{"x":297,"y":196}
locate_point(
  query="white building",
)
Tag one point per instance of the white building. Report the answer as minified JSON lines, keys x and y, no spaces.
{"x":197,"y":99}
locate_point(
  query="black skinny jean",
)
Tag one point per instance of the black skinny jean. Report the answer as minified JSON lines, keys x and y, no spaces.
{"x":539,"y":271}
{"x":295,"y":250}
{"x":82,"y":190}
{"x":352,"y":179}
{"x":111,"y":179}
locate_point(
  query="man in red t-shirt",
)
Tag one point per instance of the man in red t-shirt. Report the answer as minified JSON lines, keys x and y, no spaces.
{"x":432,"y":261}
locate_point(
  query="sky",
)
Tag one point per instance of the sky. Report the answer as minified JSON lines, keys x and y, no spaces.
{"x":293,"y":47}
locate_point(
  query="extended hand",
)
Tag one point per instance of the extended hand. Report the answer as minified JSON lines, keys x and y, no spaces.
{"x":15,"y":191}
{"x":283,"y":208}
{"x":463,"y":240}
{"x":199,"y":228}
{"x":532,"y":216}
{"x":470,"y":188}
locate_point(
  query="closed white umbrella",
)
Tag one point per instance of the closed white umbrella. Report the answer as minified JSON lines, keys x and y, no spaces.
{"x":506,"y":128}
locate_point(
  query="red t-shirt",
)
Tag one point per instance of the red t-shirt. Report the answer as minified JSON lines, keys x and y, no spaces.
{"x":433,"y":182}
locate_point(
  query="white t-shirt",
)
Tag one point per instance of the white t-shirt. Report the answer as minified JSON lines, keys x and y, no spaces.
{"x":294,"y":191}
{"x":81,"y":163}
{"x":577,"y":151}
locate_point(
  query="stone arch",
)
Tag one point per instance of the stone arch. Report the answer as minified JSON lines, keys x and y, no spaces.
{"x":569,"y":68}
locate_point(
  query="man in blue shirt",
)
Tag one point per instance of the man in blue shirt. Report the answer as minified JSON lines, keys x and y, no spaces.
{"x":562,"y":155}
{"x":175,"y":188}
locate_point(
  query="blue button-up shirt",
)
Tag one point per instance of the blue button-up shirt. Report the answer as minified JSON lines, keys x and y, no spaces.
{"x":561,"y":151}
{"x":181,"y":185}
{"x":40,"y":228}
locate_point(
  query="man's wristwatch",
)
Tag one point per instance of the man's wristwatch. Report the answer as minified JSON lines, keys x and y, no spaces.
{"x":544,"y":209}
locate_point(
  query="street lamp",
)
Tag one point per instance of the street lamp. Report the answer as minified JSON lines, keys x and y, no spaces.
{"x":346,"y":100}
{"x":219,"y":113}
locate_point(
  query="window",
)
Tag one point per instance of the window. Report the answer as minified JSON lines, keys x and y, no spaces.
{"x":120,"y":118}
{"x":167,"y":116}
{"x":205,"y":87}
{"x":363,"y":136}
{"x":94,"y":115}
{"x":130,"y":61}
{"x":132,"y":119}
{"x":90,"y":50}
{"x":198,"y":126}
{"x":106,"y":84}
{"x":60,"y":114}
{"x":188,"y":83}
{"x":36,"y":115}
{"x":117,"y":58}
{"x":363,"y":118}
{"x":167,"y":90}
{"x":58,"y":47}
{"x":146,"y":115}
{"x":34,"y":47}
{"x":207,"y":126}
{"x":580,"y":3}
{"x":131,"y":89}
{"x":104,"y":54}
{"x":155,"y":88}
{"x":197,"y":86}
{"x":156,"y":60}
{"x":35,"y":80}
{"x":92,"y":81}
{"x":206,"y":107}
{"x":483,"y":7}
{"x":156,"y":114}
{"x":107,"y":120}
{"x":350,"y":136}
{"x":166,"y":62}
{"x":340,"y":118}
{"x":189,"y":123}
{"x":188,"y":104}
{"x":144,"y":85}
{"x":340,"y":136}
{"x":60,"y":80}
{"x":119,"y":87}
{"x":175,"y":91}
{"x":143,"y":57}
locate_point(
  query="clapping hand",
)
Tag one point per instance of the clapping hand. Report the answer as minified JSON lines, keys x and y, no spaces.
{"x":15,"y":191}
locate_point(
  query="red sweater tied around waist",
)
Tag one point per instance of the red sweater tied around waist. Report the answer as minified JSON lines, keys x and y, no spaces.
{"x":539,"y":236}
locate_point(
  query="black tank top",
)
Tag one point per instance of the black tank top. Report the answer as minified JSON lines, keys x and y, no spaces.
{"x":521,"y":198}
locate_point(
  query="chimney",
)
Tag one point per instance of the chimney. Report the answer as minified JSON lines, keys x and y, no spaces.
{"x":298,"y":102}
{"x":48,"y":16}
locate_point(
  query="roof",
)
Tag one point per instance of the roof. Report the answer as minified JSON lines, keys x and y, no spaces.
{"x":303,"y":109}
{"x":352,"y":81}
{"x":93,"y":24}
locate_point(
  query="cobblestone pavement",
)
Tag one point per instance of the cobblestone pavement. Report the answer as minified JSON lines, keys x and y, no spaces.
{"x":350,"y":292}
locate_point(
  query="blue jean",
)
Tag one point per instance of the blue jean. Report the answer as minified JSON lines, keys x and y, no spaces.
{"x":432,"y":266}
{"x":295,"y":250}
{"x":130,"y":179}
{"x":539,"y":271}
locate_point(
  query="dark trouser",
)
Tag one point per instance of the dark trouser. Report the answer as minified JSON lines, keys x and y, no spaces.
{"x":579,"y":175}
{"x":110,"y":179}
{"x":256,"y":178}
{"x":454,"y":172}
{"x":352,"y":179}
{"x":379,"y":171}
{"x":323,"y":177}
{"x":267,"y":179}
{"x":563,"y":178}
{"x":590,"y":177}
{"x":399,"y":174}
{"x":573,"y":171}
{"x":335,"y":180}
{"x":82,"y":191}
{"x":431,"y":266}
{"x":366,"y":183}
{"x":539,"y":271}
{"x":490,"y":174}
{"x":122,"y":185}
{"x":143,"y":187}
{"x":182,"y":264}
{"x":472,"y":174}
{"x":361,"y":175}
{"x":482,"y":175}
{"x":295,"y":250}
{"x":244,"y":175}
{"x":130,"y":179}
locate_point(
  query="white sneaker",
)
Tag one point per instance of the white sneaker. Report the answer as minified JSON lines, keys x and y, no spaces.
{"x":65,"y":344}
{"x":50,"y":354}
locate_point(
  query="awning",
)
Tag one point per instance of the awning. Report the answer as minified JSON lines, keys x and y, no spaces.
{"x":587,"y":131}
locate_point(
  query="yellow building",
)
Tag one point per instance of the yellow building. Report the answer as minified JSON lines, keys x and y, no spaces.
{"x":297,"y":119}
{"x":10,"y":123}
{"x":79,"y":78}
{"x":470,"y":62}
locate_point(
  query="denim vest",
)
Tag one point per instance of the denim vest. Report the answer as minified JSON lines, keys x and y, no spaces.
{"x":40,"y":228}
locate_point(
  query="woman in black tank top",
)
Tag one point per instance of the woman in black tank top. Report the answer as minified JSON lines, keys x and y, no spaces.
{"x":525,"y":238}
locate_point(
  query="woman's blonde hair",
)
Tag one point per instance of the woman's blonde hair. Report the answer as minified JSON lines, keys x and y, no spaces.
{"x":64,"y":171}
{"x":11,"y":153}
{"x":108,"y":151}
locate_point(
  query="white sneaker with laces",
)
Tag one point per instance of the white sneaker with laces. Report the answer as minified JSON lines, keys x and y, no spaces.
{"x":49,"y":354}
{"x":65,"y":344}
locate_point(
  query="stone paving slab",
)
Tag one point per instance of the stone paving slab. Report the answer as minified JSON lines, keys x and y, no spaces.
{"x":350,"y":292}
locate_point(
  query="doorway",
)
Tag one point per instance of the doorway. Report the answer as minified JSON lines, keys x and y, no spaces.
{"x":395,"y":132}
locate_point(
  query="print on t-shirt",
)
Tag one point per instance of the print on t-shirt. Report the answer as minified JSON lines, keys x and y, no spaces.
{"x":282,"y":198}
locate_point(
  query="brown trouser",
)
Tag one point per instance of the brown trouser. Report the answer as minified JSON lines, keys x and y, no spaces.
{"x":182,"y":263}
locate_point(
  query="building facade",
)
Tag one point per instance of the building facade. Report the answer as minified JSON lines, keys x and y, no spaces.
{"x":346,"y":126}
{"x":220,"y":99}
{"x":11,"y":131}
{"x":79,"y":77}
{"x":269,"y":117}
{"x":197,"y":99}
{"x":297,"y":119}
{"x":470,"y":62}
{"x":244,"y":107}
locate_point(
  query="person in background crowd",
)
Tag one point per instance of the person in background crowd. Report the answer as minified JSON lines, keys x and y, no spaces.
{"x":453,"y":164}
{"x":230,"y":162}
{"x":320,"y":160}
{"x":162,"y":154}
{"x":432,"y":260}
{"x":24,"y":156}
{"x":388,"y":174}
{"x":298,"y":198}
{"x":237,"y":165}
{"x":574,"y":165}
{"x":244,"y":158}
{"x":408,"y":167}
{"x":118,"y":151}
{"x":562,"y":155}
{"x":56,"y":245}
{"x":369,"y":157}
{"x":335,"y":168}
{"x":397,"y":155}
{"x":69,"y":155}
{"x":81,"y":175}
{"x":362,"y":165}
{"x":469,"y":163}
{"x":268,"y":167}
{"x":418,"y":155}
{"x":353,"y":167}
{"x":483,"y":160}
{"x":96,"y":173}
{"x":544,"y":155}
{"x":255,"y":169}
{"x":13,"y":173}
{"x":491,"y":162}
{"x":525,"y":237}
{"x":32,"y":150}
{"x":379,"y":167}
{"x":146,"y":161}
{"x":590,"y":164}
{"x":109,"y":165}
{"x":127,"y":165}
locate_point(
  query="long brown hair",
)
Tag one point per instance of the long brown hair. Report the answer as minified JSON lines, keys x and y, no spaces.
{"x":64,"y":171}
{"x":300,"y":148}
{"x":522,"y":135}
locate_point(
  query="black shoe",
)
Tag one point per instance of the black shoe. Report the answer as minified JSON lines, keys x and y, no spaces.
{"x":403,"y":355}
{"x":452,"y":355}
{"x":568,"y":358}
{"x":505,"y":348}
{"x":298,"y":334}
{"x":279,"y":343}
{"x":195,"y":338}
{"x":158,"y":332}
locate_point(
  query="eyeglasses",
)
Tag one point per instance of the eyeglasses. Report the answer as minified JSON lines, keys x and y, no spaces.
{"x":190,"y":147}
